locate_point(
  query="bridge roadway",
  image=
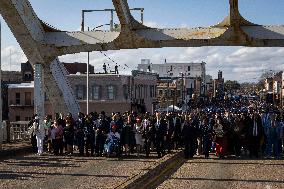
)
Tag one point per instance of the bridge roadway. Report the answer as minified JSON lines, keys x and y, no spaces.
{"x":227,"y":174}
{"x":48,"y":171}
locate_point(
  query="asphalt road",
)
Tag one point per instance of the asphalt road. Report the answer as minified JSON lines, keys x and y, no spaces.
{"x":48,"y":172}
{"x":218,"y":174}
{"x":53,"y":172}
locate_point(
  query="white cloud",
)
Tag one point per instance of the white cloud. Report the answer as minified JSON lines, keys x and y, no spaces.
{"x":151,"y":24}
{"x":12,"y":57}
{"x":237,"y":63}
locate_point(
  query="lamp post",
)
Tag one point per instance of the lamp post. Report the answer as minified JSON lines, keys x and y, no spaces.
{"x":168,"y":96}
{"x":88,"y":82}
{"x":111,"y":28}
{"x":111,"y":16}
{"x":182,"y":90}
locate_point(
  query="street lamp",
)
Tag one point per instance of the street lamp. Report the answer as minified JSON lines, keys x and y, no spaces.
{"x":182,"y":90}
{"x":111,"y":14}
{"x":111,"y":24}
{"x":100,"y":26}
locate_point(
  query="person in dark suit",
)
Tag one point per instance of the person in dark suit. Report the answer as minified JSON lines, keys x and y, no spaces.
{"x":101,"y":133}
{"x":189,"y":136}
{"x":160,"y":134}
{"x":170,"y":128}
{"x":255,"y":133}
{"x":79,"y":128}
{"x":177,"y":131}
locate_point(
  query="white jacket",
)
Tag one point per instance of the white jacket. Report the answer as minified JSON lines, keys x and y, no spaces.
{"x":39,"y":130}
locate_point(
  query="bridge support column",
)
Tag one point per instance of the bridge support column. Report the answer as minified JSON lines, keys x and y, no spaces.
{"x":38,"y":92}
{"x":57,"y":85}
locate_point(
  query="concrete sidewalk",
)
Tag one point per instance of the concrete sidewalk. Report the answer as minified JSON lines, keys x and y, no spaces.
{"x":15,"y":149}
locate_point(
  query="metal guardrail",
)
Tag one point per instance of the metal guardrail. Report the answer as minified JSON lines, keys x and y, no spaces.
{"x":14,"y":131}
{"x":19,"y":130}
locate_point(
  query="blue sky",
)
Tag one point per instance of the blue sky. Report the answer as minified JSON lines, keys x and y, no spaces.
{"x":66,"y":15}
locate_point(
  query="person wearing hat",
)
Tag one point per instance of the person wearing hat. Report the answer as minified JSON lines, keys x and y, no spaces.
{"x":40,"y":134}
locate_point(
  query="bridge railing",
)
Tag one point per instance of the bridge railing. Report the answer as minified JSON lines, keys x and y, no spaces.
{"x":14,"y":131}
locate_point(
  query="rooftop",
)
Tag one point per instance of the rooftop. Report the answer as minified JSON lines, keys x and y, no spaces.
{"x":21,"y":85}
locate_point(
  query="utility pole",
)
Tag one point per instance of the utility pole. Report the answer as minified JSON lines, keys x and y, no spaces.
{"x":88,"y":64}
{"x":111,"y":23}
{"x":83,"y":21}
{"x":168,"y":96}
{"x":88,"y":83}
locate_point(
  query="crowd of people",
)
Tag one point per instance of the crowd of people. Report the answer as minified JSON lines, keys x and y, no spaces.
{"x":224,"y":128}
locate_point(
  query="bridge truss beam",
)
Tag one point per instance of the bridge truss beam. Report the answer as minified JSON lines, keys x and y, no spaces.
{"x":43,"y":44}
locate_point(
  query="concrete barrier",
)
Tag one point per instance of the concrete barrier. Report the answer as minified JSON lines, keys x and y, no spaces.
{"x":155,"y":174}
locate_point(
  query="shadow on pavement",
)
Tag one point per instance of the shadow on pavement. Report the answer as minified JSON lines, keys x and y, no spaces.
{"x":227,"y":180}
{"x":28,"y":175}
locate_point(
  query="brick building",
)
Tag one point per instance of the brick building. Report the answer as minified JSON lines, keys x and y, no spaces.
{"x":107,"y":92}
{"x":11,"y":76}
{"x":20,"y":101}
{"x":218,"y":85}
{"x":116,"y":93}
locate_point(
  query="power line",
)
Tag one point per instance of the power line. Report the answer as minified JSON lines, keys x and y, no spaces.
{"x":112,"y":60}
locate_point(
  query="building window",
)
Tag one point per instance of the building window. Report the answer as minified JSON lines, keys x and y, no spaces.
{"x":135,"y":93}
{"x":80,"y":92}
{"x":110,"y":92}
{"x":18,"y":118}
{"x":28,"y":76}
{"x":188,"y":68}
{"x":141,"y":91}
{"x":28,"y":98}
{"x":18,"y":98}
{"x":172,"y":93}
{"x":160,"y":92}
{"x":96,"y":92}
{"x":146,"y":91}
{"x":125,"y":91}
{"x":28,"y":118}
{"x":138,"y":90}
{"x":151,"y":91}
{"x":178,"y":93}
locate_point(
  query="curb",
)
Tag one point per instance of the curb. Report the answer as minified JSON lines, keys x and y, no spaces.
{"x":156,"y":173}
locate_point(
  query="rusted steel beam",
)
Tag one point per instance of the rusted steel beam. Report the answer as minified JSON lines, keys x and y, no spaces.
{"x":42,"y":43}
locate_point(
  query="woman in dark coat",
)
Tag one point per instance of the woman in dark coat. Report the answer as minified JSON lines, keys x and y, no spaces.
{"x":126,"y":135}
{"x":206,"y":131}
{"x":69,"y":135}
